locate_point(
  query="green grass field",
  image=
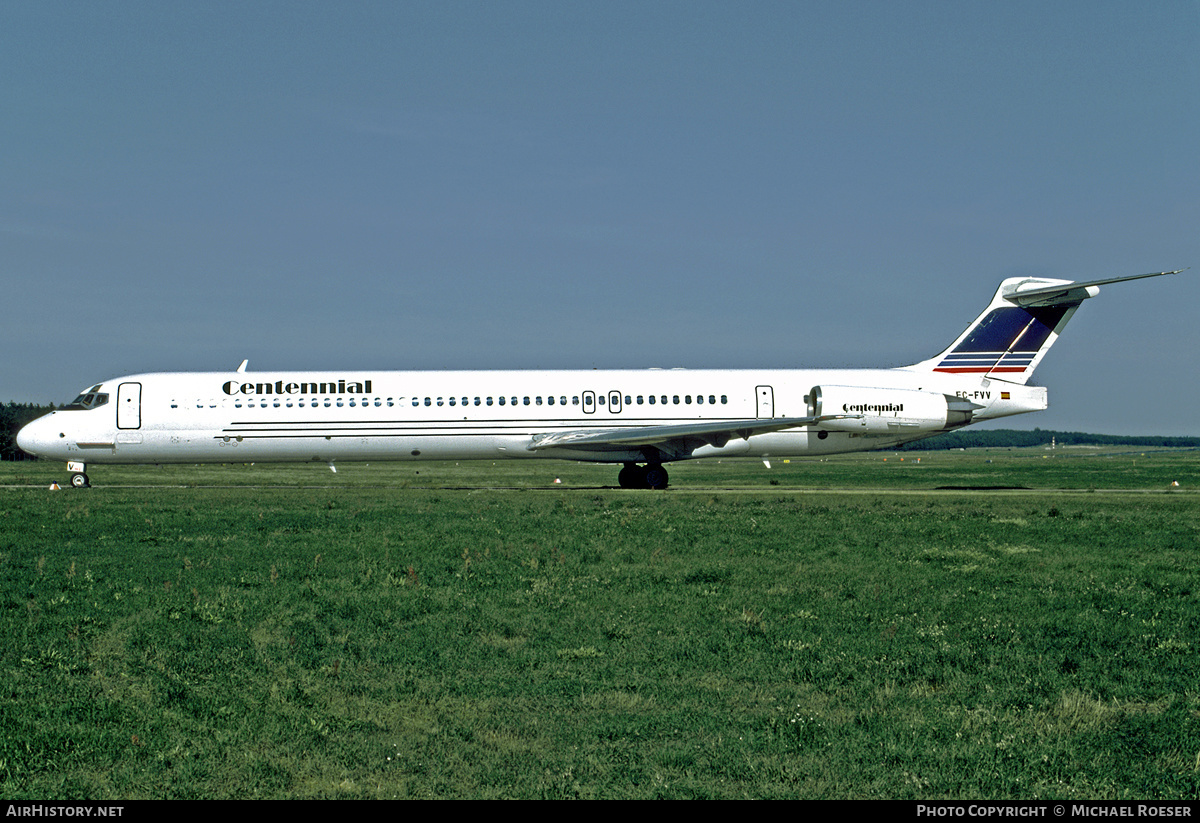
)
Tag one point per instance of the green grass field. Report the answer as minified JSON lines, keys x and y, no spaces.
{"x":825,"y":629}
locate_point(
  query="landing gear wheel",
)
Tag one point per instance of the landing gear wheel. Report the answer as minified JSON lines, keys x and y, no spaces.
{"x":80,"y":481}
{"x":655,"y":476}
{"x":651,"y":476}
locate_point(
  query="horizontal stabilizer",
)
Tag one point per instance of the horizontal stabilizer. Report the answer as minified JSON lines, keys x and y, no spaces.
{"x":1067,"y":293}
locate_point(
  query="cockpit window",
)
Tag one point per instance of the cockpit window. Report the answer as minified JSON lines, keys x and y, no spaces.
{"x":90,"y":399}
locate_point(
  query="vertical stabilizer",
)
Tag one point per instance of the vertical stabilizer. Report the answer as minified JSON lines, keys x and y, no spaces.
{"x":1020,"y":324}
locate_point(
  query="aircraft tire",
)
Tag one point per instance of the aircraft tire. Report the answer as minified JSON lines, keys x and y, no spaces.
{"x":631,"y":477}
{"x":80,"y":481}
{"x":655,"y":476}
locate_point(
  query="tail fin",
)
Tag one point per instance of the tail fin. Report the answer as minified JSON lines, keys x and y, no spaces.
{"x":1012,"y":335}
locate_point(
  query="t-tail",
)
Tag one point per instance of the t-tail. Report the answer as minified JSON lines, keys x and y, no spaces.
{"x":1012,"y":335}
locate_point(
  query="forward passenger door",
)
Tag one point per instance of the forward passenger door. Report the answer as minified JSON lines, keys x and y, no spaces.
{"x":129,"y":406}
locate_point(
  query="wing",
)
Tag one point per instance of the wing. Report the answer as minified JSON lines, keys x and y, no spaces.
{"x":675,"y":440}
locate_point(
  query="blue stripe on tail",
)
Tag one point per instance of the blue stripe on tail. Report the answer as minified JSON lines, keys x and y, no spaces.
{"x":1006,"y":340}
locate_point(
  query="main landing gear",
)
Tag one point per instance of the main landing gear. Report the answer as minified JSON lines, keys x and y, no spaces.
{"x":650,"y":476}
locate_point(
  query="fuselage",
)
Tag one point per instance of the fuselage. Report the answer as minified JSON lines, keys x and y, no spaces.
{"x":641,"y":419}
{"x":224,"y":417}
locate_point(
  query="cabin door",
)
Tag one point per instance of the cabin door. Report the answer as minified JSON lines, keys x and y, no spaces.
{"x":129,"y":406}
{"x":766,"y":401}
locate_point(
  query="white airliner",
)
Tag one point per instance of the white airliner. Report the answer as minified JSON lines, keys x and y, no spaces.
{"x":642,"y":419}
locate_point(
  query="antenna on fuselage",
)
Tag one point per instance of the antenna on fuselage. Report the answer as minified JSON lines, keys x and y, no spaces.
{"x":242,"y":368}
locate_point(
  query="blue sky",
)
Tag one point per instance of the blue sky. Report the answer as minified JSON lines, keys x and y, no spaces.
{"x":417,"y":185}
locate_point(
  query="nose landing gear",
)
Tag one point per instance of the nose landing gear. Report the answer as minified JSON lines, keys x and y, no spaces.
{"x":79,"y":478}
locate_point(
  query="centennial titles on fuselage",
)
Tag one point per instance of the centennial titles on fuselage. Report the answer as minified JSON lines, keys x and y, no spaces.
{"x":279,"y":387}
{"x":877,"y":409}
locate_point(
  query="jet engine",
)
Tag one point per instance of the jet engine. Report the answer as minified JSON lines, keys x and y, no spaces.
{"x":887,"y":411}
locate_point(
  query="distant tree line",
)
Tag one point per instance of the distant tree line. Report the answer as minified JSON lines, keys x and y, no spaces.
{"x":1010,"y":438}
{"x":12,"y":418}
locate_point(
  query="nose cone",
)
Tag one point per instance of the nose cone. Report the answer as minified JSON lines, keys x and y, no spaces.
{"x":31,"y":439}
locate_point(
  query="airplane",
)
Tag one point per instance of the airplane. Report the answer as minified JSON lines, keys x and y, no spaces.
{"x":641,"y":419}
